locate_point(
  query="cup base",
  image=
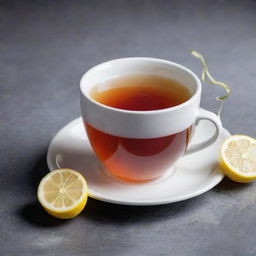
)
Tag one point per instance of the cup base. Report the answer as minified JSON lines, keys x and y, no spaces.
{"x":166,"y":175}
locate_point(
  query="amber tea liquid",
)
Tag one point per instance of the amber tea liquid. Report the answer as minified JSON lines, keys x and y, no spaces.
{"x":136,"y":159}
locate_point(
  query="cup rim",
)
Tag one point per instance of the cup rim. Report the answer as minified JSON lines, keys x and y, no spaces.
{"x":197,"y":92}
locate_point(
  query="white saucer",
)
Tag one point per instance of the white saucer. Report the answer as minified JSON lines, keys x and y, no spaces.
{"x":194,"y":174}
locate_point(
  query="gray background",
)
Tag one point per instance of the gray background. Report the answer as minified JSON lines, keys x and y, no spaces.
{"x":45,"y":47}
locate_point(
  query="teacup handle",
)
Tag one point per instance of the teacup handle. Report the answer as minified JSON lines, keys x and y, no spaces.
{"x":206,"y":115}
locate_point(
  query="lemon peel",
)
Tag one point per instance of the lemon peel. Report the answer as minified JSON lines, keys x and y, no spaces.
{"x":208,"y":78}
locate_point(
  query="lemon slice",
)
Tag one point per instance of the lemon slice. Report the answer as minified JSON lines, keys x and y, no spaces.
{"x":63,"y":193}
{"x":238,"y":158}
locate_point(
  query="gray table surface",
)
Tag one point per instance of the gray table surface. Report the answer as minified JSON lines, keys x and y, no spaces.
{"x":45,"y":47}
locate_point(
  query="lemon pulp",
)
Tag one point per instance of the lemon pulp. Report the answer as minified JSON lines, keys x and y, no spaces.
{"x":238,"y":158}
{"x":63,"y":193}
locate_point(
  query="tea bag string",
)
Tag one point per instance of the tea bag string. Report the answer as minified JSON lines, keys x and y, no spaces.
{"x":208,"y":78}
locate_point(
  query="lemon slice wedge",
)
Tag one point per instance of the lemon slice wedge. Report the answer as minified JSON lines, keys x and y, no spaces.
{"x":63,"y":193}
{"x":238,"y":158}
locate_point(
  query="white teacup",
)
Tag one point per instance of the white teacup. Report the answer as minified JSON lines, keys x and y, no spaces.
{"x":119,"y":136}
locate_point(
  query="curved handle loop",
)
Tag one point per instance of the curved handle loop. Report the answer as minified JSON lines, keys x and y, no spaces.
{"x":206,"y":115}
